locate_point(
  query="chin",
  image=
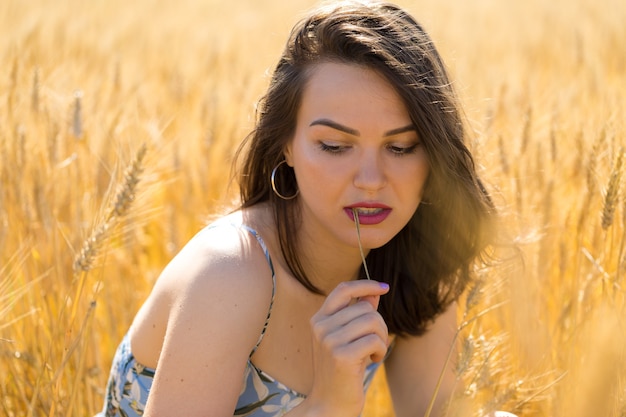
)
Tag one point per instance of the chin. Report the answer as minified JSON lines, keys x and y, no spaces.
{"x":376,"y":243}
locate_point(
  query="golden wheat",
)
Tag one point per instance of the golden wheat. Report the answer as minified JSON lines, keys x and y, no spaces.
{"x":612,"y":192}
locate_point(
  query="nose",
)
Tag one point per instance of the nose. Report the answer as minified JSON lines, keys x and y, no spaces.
{"x":370,"y":175}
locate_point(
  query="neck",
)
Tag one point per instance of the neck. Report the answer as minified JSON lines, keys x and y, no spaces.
{"x":326,"y":264}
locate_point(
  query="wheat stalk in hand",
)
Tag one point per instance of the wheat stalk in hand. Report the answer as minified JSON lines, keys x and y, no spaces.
{"x":358,"y":234}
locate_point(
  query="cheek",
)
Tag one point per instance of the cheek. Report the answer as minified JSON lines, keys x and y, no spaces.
{"x":309,"y":172}
{"x":315,"y":168}
{"x":423,"y":175}
{"x":316,"y":178}
{"x":414,"y":190}
{"x":413,"y":176}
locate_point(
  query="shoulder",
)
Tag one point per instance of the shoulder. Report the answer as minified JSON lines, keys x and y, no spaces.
{"x":218,"y":291}
{"x":223,"y":266}
{"x":223,"y":255}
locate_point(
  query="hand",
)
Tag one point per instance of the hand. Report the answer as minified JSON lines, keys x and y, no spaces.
{"x":348,"y":333}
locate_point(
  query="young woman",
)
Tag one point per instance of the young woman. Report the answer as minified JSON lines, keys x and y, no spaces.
{"x":268,"y":311}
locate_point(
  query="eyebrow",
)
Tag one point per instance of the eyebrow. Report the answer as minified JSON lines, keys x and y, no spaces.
{"x":338,"y":126}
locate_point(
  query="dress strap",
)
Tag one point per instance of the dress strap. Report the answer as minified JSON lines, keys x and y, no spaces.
{"x":269,"y":261}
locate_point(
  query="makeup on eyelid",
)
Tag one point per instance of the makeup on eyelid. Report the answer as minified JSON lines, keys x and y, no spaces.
{"x":394,"y":149}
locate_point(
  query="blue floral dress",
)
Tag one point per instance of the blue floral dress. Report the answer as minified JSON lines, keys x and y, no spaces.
{"x":261,"y":395}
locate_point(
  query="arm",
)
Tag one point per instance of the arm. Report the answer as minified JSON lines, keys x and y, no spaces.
{"x":218,"y":291}
{"x":415,"y":365}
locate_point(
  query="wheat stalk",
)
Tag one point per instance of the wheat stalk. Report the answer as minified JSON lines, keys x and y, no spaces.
{"x":35,"y":91}
{"x":593,"y":159}
{"x":83,"y":263}
{"x":504,"y":161}
{"x":358,"y":235}
{"x":612,"y":193}
{"x":77,"y":118}
{"x":539,"y":165}
{"x":121,"y":205}
{"x":13,"y":86}
{"x":553,"y":143}
{"x":452,"y":350}
{"x":20,"y":148}
{"x":89,"y":250}
{"x":528,"y":120}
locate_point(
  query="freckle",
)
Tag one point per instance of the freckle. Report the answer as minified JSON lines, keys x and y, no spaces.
{"x":298,"y":350}
{"x":182,"y":380}
{"x":285,"y":358}
{"x":291,"y":326}
{"x":153,"y":326}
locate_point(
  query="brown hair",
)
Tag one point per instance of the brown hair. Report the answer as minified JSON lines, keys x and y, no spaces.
{"x":428,"y":263}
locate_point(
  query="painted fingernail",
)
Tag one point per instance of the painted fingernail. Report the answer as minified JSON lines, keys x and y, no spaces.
{"x":384,"y":285}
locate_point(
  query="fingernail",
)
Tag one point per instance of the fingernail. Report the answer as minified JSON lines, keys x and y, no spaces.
{"x":384,"y":285}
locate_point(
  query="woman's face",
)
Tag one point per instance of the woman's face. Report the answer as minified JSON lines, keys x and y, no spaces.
{"x":355,"y":146}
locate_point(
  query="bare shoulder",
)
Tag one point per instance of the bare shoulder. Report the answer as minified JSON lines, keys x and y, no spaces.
{"x":223,"y":264}
{"x":217,"y":291}
{"x":219,"y":281}
{"x":223,"y":253}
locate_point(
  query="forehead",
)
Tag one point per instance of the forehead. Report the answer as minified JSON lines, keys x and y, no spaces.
{"x":350,"y":92}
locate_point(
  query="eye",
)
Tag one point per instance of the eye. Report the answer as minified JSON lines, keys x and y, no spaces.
{"x":332,"y":147}
{"x":402,"y":149}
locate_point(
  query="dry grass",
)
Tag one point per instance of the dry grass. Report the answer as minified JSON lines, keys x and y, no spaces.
{"x":355,"y":213}
{"x":84,"y":85}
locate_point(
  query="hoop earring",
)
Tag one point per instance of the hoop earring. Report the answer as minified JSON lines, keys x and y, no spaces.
{"x":273,"y":181}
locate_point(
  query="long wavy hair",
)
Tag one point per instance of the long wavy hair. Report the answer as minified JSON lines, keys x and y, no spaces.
{"x":429,"y":262}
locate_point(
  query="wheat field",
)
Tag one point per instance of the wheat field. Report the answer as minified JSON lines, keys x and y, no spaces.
{"x":118,"y":123}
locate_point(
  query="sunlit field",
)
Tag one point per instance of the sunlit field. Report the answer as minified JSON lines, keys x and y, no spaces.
{"x":118,"y":124}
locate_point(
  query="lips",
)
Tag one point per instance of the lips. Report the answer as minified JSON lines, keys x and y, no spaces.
{"x":369,"y":213}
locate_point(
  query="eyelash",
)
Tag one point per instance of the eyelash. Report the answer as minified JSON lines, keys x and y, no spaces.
{"x":400,"y":151}
{"x":395,"y":150}
{"x":334,"y":149}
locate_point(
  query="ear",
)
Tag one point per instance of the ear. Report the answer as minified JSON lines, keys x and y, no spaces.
{"x":288,"y":153}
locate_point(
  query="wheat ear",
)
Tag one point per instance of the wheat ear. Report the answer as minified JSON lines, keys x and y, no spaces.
{"x":612,"y":193}
{"x":121,"y":205}
{"x":77,"y":118}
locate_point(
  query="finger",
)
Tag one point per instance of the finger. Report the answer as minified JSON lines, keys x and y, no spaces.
{"x":348,"y":291}
{"x":367,"y":347}
{"x":362,"y":325}
{"x":324,"y":325}
{"x":342,"y":317}
{"x":373,"y":300}
{"x":349,"y":325}
{"x":380,"y":353}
